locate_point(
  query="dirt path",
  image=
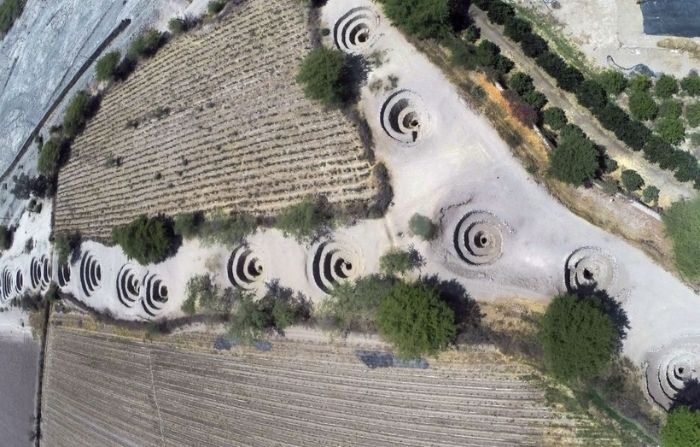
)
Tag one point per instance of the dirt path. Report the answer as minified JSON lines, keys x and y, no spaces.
{"x":671,"y":189}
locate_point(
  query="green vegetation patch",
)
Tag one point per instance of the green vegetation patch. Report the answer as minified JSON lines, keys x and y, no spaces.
{"x":148,"y":240}
{"x":682,"y":222}
{"x":10,"y":10}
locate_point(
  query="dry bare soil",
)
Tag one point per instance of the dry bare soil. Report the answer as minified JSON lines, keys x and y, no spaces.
{"x":110,"y":390}
{"x":214,"y":120}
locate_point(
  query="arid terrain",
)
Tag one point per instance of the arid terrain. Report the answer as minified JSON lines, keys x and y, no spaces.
{"x":215,"y":121}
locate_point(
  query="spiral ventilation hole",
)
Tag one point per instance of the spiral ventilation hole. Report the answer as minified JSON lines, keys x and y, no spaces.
{"x":478,"y":238}
{"x":35,"y":273}
{"x":669,"y":373}
{"x":7,"y":284}
{"x":19,"y":281}
{"x":40,"y":273}
{"x":356,"y":29}
{"x":156,"y":294}
{"x":590,"y":268}
{"x":128,"y":286}
{"x":404,"y":117}
{"x":63,"y":274}
{"x":90,"y":274}
{"x":333,"y":263}
{"x":245,"y":270}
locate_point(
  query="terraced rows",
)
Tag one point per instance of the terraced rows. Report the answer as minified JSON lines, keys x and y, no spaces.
{"x":110,"y":391}
{"x":238,"y":133}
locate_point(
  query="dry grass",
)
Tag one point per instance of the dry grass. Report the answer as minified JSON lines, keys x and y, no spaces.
{"x":214,"y":121}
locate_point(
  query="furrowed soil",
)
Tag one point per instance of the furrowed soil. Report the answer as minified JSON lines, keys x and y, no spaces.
{"x":214,"y":121}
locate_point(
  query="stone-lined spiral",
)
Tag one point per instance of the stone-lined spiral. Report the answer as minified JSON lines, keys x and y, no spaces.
{"x":404,"y":117}
{"x":90,"y":274}
{"x":244,"y":269}
{"x":128,"y":285}
{"x":356,"y":29}
{"x":334,"y":262}
{"x":590,"y":268}
{"x":63,"y":274}
{"x":19,"y":281}
{"x":155,"y":294}
{"x":478,"y":238}
{"x":7,"y":284}
{"x":40,"y":273}
{"x":668,"y":371}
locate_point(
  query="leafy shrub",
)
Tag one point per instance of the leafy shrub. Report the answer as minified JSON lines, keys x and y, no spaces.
{"x":578,"y":338}
{"x":642,"y":105}
{"x":682,"y":222}
{"x":613,"y":81}
{"x":397,"y":261}
{"x":555,"y":118}
{"x":50,"y":157}
{"x":79,"y":110}
{"x":671,"y":130}
{"x":203,"y":293}
{"x":499,"y":12}
{"x":472,"y":33}
{"x":188,"y":225}
{"x":10,"y":10}
{"x":322,"y":75}
{"x":147,"y":43}
{"x":533,"y":45}
{"x":226,"y":229}
{"x":651,"y":194}
{"x":106,"y":66}
{"x":575,"y":160}
{"x":521,"y":83}
{"x":353,"y":306}
{"x":516,"y":28}
{"x":306,"y":218}
{"x":692,"y":114}
{"x":639,"y":83}
{"x":666,"y":86}
{"x":422,"y":227}
{"x":414,"y":319}
{"x":691,"y":84}
{"x":567,"y":77}
{"x":682,"y":428}
{"x":422,"y":18}
{"x":6,"y":235}
{"x":148,"y":240}
{"x":215,"y":6}
{"x":177,"y":25}
{"x":591,"y":95}
{"x":524,"y":112}
{"x":631,"y":180}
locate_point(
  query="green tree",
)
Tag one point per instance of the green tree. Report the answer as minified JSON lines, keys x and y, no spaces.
{"x":575,"y":160}
{"x":555,"y":118}
{"x":516,"y":28}
{"x":422,"y":18}
{"x":414,"y":319}
{"x":671,"y":130}
{"x":639,"y":83}
{"x":50,"y":157}
{"x":691,"y":84}
{"x":147,"y":43}
{"x":215,"y":6}
{"x":666,"y":86}
{"x":397,"y":261}
{"x":613,"y":81}
{"x":682,"y":222}
{"x":651,"y":194}
{"x":106,"y":66}
{"x":177,"y":25}
{"x":304,"y":219}
{"x":642,"y":105}
{"x":322,"y":75}
{"x":591,"y":94}
{"x":578,"y":338}
{"x":671,"y":108}
{"x":692,"y":114}
{"x":10,"y":10}
{"x":520,"y":83}
{"x":6,"y":235}
{"x":631,"y":180}
{"x":682,"y":428}
{"x":79,"y":110}
{"x":353,"y":306}
{"x":422,"y":227}
{"x":188,"y":225}
{"x":148,"y":240}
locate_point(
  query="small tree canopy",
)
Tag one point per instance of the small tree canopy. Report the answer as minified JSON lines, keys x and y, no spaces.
{"x":80,"y":108}
{"x":651,"y":194}
{"x":304,"y":219}
{"x":575,"y":160}
{"x":422,"y":227}
{"x":49,"y":157}
{"x":106,"y":66}
{"x":353,"y":306}
{"x":642,"y":106}
{"x":613,"y":81}
{"x":555,"y":118}
{"x":666,"y":86}
{"x":691,"y":84}
{"x":148,"y":240}
{"x":414,"y":319}
{"x":671,"y":130}
{"x":639,"y":83}
{"x":422,"y":18}
{"x":631,"y":180}
{"x":682,"y":428}
{"x":578,"y":338}
{"x":397,"y":261}
{"x":321,"y":75}
{"x":692,"y":114}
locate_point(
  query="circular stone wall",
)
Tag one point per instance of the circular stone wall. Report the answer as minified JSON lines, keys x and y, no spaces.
{"x":405,"y":118}
{"x":90,"y":274}
{"x":333,"y":262}
{"x":245,"y":269}
{"x":155,"y":294}
{"x":356,"y":30}
{"x":478,"y":238}
{"x":668,"y":370}
{"x":590,"y":268}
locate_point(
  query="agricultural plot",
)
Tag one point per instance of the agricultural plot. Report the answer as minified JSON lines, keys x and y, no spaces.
{"x":215,"y":120}
{"x":113,"y":391}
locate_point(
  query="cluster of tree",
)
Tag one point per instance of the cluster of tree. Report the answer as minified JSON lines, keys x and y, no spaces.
{"x":10,"y":10}
{"x":524,"y":100}
{"x":594,"y":95}
{"x":147,"y":239}
{"x":485,"y":56}
{"x":112,"y":67}
{"x":428,"y":18}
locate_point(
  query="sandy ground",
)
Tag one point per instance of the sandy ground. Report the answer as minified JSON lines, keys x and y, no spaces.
{"x":614,"y":28}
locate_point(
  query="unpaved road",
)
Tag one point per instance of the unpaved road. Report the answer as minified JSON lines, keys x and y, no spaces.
{"x":671,"y":189}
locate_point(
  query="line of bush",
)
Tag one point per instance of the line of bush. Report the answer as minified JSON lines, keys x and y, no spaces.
{"x":593,"y":95}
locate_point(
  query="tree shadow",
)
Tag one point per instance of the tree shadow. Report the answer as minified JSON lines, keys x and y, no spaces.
{"x":688,"y":396}
{"x":353,"y":77}
{"x":466,"y":309}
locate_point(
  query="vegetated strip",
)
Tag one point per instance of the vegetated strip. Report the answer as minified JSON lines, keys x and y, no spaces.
{"x":28,"y":142}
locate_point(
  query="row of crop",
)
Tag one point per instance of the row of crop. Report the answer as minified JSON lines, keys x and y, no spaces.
{"x":592,"y":95}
